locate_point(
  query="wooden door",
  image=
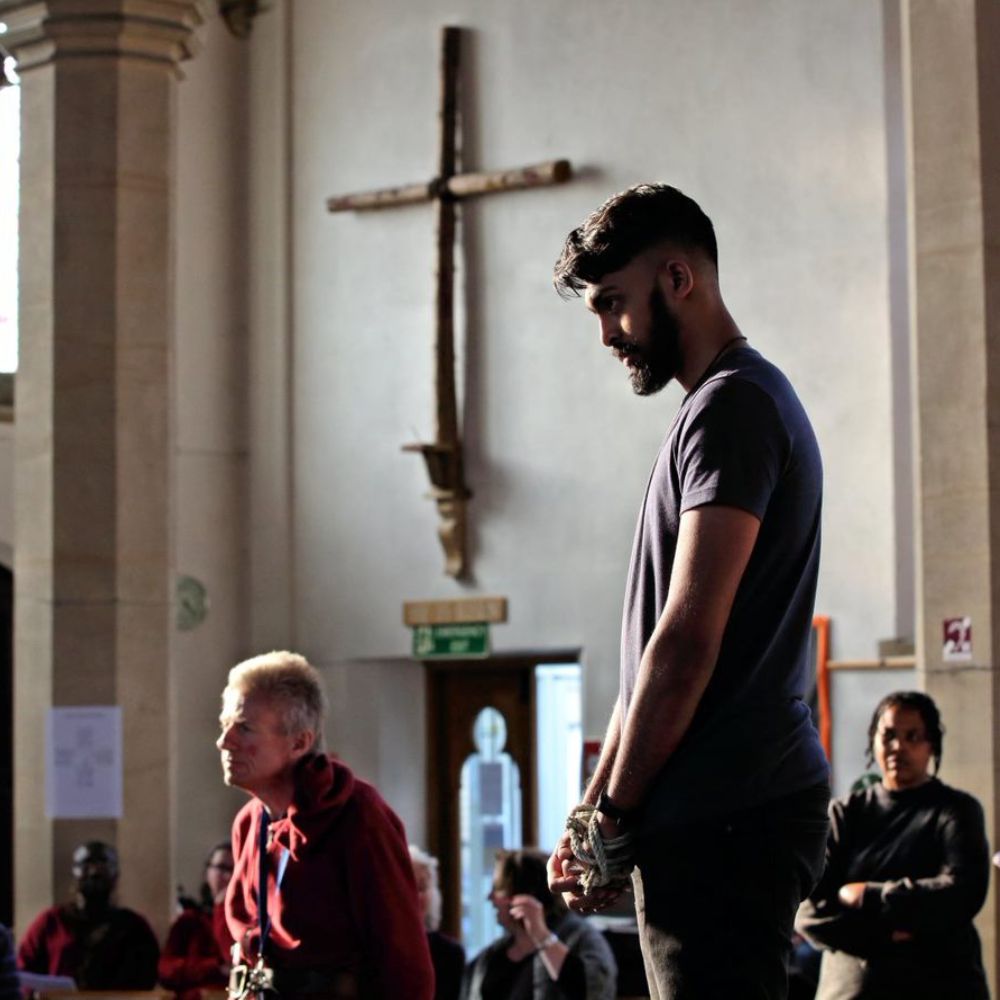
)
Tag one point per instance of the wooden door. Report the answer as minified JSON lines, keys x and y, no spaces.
{"x":457,"y":691}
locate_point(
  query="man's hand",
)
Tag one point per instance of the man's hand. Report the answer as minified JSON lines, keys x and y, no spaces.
{"x":599,"y":899}
{"x":609,"y":827}
{"x":564,"y":871}
{"x":852,"y":895}
{"x":562,"y":881}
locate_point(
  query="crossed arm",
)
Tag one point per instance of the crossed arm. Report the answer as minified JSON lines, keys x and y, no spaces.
{"x":713,"y":548}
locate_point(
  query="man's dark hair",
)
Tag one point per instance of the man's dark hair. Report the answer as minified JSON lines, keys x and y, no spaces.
{"x":624,"y":226}
{"x":922,"y":703}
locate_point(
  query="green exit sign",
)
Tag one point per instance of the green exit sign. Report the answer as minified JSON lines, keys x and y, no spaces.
{"x":453,"y":641}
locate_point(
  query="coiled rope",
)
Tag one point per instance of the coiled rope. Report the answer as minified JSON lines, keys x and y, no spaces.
{"x":606,"y":862}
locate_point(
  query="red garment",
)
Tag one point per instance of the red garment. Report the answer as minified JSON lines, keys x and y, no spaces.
{"x":348,"y":898}
{"x":197,"y":947}
{"x":117,"y":951}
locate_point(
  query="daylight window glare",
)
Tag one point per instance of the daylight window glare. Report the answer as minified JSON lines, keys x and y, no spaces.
{"x":10,"y":129}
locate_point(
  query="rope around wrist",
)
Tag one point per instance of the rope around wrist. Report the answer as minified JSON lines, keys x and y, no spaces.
{"x":607,"y":863}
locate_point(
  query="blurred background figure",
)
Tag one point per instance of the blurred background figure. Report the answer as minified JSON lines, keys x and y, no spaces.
{"x":907,"y":867}
{"x":197,"y":952}
{"x":10,"y":988}
{"x":547,"y":953}
{"x":447,"y":954}
{"x":102,"y":946}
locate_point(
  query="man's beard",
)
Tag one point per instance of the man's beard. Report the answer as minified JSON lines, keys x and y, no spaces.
{"x":658,"y":363}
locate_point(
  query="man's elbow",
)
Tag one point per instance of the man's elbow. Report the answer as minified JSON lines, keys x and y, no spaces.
{"x":686,"y":655}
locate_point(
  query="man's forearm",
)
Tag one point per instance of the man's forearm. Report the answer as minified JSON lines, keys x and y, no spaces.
{"x":673,"y":676}
{"x":609,"y":751}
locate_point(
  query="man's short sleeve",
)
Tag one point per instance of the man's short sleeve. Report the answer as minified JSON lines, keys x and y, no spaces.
{"x":732,"y":448}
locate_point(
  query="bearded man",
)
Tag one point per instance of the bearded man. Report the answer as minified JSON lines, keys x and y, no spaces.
{"x":340,"y":916}
{"x":711,"y":777}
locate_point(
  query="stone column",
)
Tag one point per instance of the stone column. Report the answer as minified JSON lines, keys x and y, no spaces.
{"x":952,"y":78}
{"x":94,"y":428}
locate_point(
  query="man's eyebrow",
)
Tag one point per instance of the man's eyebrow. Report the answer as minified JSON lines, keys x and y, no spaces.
{"x":594,"y":300}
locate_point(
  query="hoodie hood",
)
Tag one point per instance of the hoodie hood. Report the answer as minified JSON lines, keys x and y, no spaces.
{"x":323,"y":787}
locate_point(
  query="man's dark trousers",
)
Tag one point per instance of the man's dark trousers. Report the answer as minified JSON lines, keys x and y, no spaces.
{"x":716,"y":900}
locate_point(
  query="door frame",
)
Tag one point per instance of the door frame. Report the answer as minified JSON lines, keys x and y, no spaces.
{"x":442,"y":788}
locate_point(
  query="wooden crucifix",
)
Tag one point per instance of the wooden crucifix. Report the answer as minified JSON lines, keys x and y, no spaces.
{"x":443,"y":455}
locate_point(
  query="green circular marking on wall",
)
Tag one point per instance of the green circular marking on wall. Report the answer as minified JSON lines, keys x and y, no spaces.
{"x":192,"y":603}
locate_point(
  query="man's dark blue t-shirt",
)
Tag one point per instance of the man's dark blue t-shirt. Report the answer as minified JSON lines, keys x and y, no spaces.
{"x":740,"y":439}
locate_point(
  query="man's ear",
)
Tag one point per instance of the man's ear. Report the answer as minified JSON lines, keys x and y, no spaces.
{"x":676,"y":278}
{"x":303,"y":742}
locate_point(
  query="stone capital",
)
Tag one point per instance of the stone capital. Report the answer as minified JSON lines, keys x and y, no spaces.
{"x":157,"y":31}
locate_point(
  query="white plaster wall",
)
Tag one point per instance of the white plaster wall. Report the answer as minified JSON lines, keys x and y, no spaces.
{"x":771,"y":114}
{"x":376,"y":724}
{"x":210,"y":458}
{"x":7,"y":494}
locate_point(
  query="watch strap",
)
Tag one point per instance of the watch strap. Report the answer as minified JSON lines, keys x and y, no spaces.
{"x":608,"y":808}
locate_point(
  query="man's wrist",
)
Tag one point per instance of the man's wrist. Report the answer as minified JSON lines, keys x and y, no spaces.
{"x":606,"y":806}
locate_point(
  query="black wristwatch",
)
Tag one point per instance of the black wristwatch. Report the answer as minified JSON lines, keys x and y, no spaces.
{"x":607,"y":808}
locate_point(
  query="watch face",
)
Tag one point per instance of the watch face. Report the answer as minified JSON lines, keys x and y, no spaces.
{"x":192,"y":603}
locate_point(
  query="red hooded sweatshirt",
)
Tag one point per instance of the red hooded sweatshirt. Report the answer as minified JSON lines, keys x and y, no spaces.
{"x":347,"y":900}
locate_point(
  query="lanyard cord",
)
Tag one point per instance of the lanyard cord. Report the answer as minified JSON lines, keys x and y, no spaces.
{"x":262,"y":914}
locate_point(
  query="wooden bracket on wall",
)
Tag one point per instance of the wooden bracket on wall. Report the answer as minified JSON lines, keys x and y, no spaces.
{"x":449,"y":492}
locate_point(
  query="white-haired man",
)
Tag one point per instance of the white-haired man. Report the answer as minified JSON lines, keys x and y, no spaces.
{"x":340,"y":916}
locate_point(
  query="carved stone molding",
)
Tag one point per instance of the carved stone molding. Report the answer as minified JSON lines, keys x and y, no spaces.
{"x":158,"y":31}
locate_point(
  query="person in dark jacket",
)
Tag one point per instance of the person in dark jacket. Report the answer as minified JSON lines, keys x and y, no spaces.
{"x":102,"y":946}
{"x":447,"y":954}
{"x":339,"y":914}
{"x":547,"y":953}
{"x":197,"y":952}
{"x":907,"y":867}
{"x":10,"y":987}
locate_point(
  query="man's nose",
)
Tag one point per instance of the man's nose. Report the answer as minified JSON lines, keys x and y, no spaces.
{"x":223,"y":736}
{"x":611,"y":330}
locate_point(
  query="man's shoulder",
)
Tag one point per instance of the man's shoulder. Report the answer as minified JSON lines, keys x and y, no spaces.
{"x":369,"y":802}
{"x":748,"y":379}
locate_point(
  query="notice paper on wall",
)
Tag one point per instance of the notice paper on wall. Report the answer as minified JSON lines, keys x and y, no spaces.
{"x":83,"y":762}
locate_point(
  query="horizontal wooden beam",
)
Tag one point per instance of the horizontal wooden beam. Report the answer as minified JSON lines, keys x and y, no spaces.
{"x":516,"y":179}
{"x":458,"y":187}
{"x":883,"y":663}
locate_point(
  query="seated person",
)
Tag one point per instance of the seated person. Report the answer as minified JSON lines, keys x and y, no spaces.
{"x":547,"y":953}
{"x":197,"y":952}
{"x":447,"y":955}
{"x":102,"y":946}
{"x":10,"y":987}
{"x":907,"y":867}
